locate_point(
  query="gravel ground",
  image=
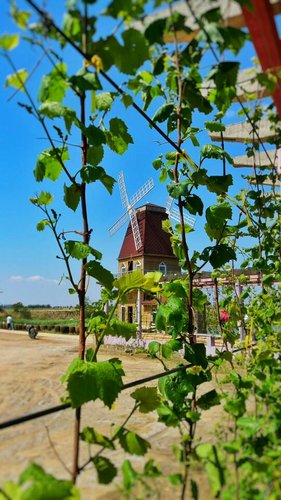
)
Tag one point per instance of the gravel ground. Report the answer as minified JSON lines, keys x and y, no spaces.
{"x":30,"y":372}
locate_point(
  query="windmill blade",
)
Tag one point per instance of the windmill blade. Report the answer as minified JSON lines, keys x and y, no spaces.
{"x":169,"y":204}
{"x":123,"y":190}
{"x":135,"y":228}
{"x":148,"y":185}
{"x":112,"y":230}
{"x":188,"y":219}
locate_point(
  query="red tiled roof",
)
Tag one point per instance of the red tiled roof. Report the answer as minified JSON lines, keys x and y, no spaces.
{"x":154,"y":240}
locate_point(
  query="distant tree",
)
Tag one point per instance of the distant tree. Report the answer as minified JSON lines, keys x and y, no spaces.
{"x":17,"y":306}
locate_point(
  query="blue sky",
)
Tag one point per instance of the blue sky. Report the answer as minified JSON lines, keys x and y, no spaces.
{"x":29,"y":270}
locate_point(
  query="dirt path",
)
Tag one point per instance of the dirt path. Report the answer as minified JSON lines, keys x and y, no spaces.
{"x":30,"y":374}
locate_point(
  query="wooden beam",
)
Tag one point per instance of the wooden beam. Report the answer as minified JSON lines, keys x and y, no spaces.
{"x":243,"y":132}
{"x":247,"y":87}
{"x":260,"y":159}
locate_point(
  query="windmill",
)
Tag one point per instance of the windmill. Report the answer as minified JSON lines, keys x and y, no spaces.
{"x":129,"y":207}
{"x":173,"y":213}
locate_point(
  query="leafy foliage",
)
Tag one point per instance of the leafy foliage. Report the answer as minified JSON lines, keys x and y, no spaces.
{"x":168,"y":76}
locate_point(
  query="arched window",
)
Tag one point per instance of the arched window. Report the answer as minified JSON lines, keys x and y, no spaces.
{"x":123,"y":269}
{"x":162,"y":268}
{"x":138,"y":264}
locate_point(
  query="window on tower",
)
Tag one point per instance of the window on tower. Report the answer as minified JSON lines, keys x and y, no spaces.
{"x":138,"y":264}
{"x":123,"y":269}
{"x":163,"y":268}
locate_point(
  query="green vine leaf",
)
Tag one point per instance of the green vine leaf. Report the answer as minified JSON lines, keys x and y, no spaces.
{"x":218,"y":255}
{"x":57,"y":110}
{"x":95,"y":136}
{"x":20,"y":17}
{"x":9,"y":42}
{"x":212,"y":460}
{"x":102,"y":275}
{"x":106,"y":471}
{"x":219,"y":183}
{"x":122,"y":329}
{"x":196,"y":354}
{"x":148,"y":398}
{"x":91,"y":436}
{"x":137,"y":279}
{"x":17,"y":79}
{"x":167,"y":415}
{"x":208,"y":400}
{"x":129,"y":475}
{"x":88,"y":381}
{"x":217,"y":217}
{"x":94,"y":173}
{"x":155,"y":31}
{"x":133,"y":443}
{"x":224,"y":75}
{"x":40,"y":226}
{"x":37,"y":484}
{"x":169,"y":347}
{"x":118,"y":137}
{"x":103,"y":102}
{"x":213,"y":126}
{"x":72,"y":25}
{"x":193,"y":97}
{"x":134,"y":52}
{"x":85,"y":80}
{"x":72,"y":196}
{"x":213,"y":151}
{"x":43,"y":199}
{"x":49,"y":163}
{"x":163,"y":113}
{"x":95,"y":155}
{"x":77,"y":249}
{"x":173,"y":313}
{"x":54,"y":85}
{"x":154,"y":348}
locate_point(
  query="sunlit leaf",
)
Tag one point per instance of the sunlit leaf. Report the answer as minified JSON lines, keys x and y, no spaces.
{"x":88,"y":381}
{"x":77,"y":249}
{"x":148,"y":398}
{"x":57,"y":110}
{"x":9,"y":42}
{"x":49,"y":163}
{"x":17,"y":79}
{"x":37,"y":484}
{"x":54,"y":85}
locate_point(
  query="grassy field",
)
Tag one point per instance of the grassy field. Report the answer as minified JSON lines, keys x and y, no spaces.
{"x":43,"y":317}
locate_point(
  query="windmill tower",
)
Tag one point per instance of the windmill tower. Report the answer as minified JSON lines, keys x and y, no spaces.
{"x":129,"y":207}
{"x":145,"y":247}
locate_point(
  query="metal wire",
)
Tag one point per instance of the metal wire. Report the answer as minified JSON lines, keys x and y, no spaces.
{"x":65,"y":406}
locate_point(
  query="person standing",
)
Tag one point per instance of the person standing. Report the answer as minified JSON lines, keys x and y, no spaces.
{"x":9,"y":322}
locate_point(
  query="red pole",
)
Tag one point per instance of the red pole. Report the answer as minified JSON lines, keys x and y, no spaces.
{"x":262,"y":28}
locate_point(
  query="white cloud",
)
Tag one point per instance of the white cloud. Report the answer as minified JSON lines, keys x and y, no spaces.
{"x":35,"y":278}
